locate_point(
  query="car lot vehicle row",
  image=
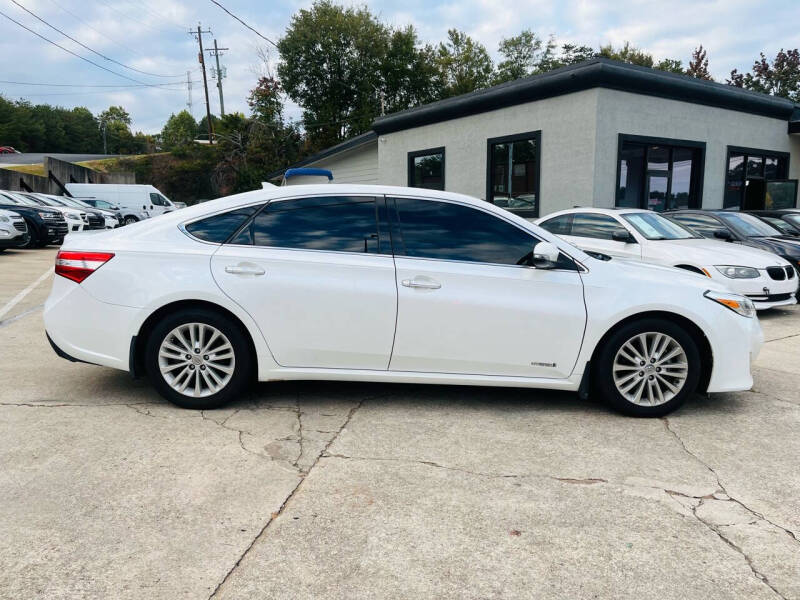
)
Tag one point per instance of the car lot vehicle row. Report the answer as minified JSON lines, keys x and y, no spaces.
{"x":755,"y":270}
{"x":376,"y":283}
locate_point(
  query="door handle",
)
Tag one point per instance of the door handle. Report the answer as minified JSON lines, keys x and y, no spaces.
{"x":421,"y":284}
{"x":244,"y":270}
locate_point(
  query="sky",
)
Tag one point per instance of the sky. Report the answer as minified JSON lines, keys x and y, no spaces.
{"x":151,"y":38}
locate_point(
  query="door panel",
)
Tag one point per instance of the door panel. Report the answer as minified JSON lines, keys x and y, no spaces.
{"x":315,"y":309}
{"x":487,"y":319}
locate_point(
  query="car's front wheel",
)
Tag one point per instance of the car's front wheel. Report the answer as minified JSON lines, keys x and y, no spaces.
{"x":648,"y":368}
{"x":130,"y":220}
{"x":198,"y":359}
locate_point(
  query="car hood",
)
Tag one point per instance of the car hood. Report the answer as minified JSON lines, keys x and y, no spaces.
{"x":783,"y":247}
{"x":712,"y":252}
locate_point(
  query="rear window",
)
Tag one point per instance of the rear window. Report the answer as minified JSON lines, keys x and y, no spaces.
{"x":219,"y":228}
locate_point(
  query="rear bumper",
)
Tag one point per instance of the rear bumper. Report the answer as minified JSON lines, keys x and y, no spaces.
{"x":81,"y":328}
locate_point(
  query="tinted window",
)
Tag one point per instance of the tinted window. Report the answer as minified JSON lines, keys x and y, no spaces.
{"x":748,"y":225}
{"x":514,"y":173}
{"x":454,"y":232}
{"x":334,"y":223}
{"x":702,"y":224}
{"x":558,"y":225}
{"x":158,"y":199}
{"x":219,"y":228}
{"x":594,"y":226}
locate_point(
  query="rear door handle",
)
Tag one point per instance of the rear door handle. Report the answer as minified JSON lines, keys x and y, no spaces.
{"x":244,"y":270}
{"x":424,"y":284}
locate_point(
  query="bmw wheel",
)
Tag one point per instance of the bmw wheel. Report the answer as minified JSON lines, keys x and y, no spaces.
{"x":198,"y":359}
{"x":648,"y":368}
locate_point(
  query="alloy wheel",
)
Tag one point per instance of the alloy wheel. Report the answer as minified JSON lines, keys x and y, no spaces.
{"x":650,"y":369}
{"x":196,"y":360}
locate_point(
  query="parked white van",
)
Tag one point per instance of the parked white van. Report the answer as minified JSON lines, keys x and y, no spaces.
{"x":135,"y":201}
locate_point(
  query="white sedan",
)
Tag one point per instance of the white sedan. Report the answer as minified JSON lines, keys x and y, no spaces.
{"x":636,"y":234}
{"x":378,"y":283}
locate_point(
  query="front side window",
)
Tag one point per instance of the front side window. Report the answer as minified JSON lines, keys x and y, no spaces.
{"x":158,"y":199}
{"x":448,"y":231}
{"x":655,"y":227}
{"x":594,"y":225}
{"x":218,"y":228}
{"x":331,"y":223}
{"x":513,"y":178}
{"x":701,"y":224}
{"x":659,"y":174}
{"x":426,"y":169}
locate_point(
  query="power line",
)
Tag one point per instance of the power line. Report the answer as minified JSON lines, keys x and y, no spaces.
{"x":82,"y":45}
{"x":128,"y":16}
{"x":95,"y":92}
{"x":258,"y":33}
{"x":97,"y":31}
{"x":84,"y":85}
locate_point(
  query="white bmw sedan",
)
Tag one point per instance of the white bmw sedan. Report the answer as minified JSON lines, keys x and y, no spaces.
{"x":374,"y":283}
{"x":636,"y":234}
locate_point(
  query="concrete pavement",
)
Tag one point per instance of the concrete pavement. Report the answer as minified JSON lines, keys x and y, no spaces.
{"x":310,"y":490}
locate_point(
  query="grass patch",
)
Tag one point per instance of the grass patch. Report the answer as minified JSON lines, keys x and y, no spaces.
{"x":29,"y":169}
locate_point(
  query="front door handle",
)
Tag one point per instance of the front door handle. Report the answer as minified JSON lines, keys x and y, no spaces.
{"x":424,"y":284}
{"x":244,"y":270}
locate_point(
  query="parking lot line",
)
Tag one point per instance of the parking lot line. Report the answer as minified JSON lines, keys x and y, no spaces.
{"x":21,"y":296}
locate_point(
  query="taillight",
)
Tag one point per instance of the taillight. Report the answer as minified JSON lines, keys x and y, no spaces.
{"x":77,"y":266}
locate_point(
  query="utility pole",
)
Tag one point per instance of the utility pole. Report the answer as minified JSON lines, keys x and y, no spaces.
{"x":189,"y":91}
{"x":220,"y":75}
{"x":199,"y":33}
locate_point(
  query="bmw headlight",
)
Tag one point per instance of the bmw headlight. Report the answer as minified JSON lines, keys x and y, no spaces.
{"x":734,"y":272}
{"x":738,"y":304}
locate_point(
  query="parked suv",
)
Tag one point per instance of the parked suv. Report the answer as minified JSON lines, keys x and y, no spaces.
{"x":77,"y":220}
{"x":13,"y":231}
{"x":96,"y":219}
{"x":45,"y":225}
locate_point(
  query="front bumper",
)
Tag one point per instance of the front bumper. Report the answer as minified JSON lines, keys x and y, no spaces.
{"x":735,"y":344}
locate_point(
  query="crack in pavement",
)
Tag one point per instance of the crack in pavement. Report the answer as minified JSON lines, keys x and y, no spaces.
{"x":427,"y":463}
{"x":66,"y":404}
{"x":716,"y":528}
{"x":302,"y":477}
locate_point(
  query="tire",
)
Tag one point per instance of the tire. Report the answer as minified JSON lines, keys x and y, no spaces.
{"x":619,"y":366}
{"x":33,"y":238}
{"x":209,"y":380}
{"x":129,"y":220}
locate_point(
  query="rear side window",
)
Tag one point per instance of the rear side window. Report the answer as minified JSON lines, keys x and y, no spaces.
{"x":702,"y":224}
{"x":219,"y":228}
{"x":561,"y":225}
{"x":454,"y":232}
{"x":332,"y":223}
{"x":594,"y":225}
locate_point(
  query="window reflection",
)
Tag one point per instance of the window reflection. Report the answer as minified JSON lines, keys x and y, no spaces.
{"x":514,"y":174}
{"x":426,"y":169}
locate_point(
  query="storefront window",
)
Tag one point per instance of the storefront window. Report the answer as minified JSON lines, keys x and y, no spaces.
{"x":756,"y":179}
{"x":514,"y":173}
{"x":659,"y":175}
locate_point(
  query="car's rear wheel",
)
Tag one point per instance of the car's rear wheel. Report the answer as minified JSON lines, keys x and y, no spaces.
{"x":130,"y":220}
{"x":198,"y":359}
{"x":648,"y":368}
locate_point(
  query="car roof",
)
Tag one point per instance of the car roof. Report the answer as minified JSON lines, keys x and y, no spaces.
{"x":598,"y":211}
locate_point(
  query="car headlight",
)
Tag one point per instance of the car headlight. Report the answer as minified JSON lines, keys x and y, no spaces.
{"x":738,"y":304}
{"x":4,"y":219}
{"x":734,"y":272}
{"x":73,"y":217}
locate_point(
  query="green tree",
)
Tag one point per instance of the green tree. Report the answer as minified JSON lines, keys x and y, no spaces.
{"x":330,"y":65}
{"x":179,"y":130}
{"x":523,"y":55}
{"x":628,"y":53}
{"x":115,"y":114}
{"x":464,"y":64}
{"x":409,"y":75}
{"x":779,"y":77}
{"x":671,"y":65}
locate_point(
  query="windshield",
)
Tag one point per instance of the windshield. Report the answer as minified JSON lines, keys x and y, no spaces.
{"x":655,"y":227}
{"x":748,"y":225}
{"x":793,"y":219}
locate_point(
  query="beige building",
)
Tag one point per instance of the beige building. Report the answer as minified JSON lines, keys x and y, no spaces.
{"x":600,"y":133}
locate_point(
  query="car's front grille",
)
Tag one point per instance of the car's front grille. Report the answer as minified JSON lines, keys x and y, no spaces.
{"x":789,"y":272}
{"x":96,"y":222}
{"x":776,"y":273}
{"x":20,"y":226}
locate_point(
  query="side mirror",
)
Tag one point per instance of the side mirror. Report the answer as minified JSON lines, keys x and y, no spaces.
{"x":545,"y":255}
{"x":623,"y":235}
{"x":723,"y":234}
